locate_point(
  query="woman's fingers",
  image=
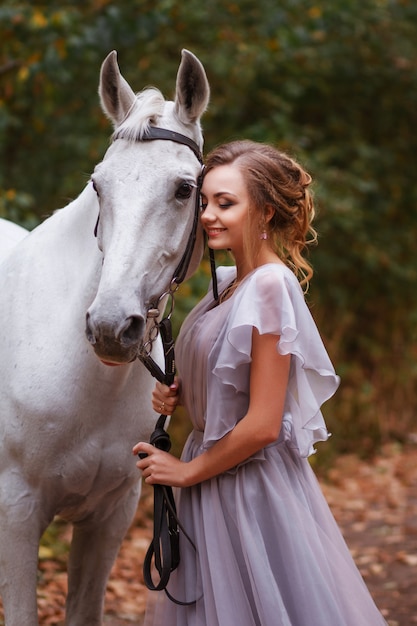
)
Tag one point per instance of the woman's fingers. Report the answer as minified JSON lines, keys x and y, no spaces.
{"x":164,"y":398}
{"x":142,"y":448}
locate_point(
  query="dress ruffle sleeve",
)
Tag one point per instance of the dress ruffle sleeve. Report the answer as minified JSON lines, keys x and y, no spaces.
{"x":270,"y":299}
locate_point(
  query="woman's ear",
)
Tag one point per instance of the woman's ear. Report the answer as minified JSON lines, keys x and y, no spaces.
{"x":269,"y":213}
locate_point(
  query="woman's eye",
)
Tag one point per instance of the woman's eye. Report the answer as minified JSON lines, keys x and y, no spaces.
{"x":221,"y":205}
{"x":184,"y":191}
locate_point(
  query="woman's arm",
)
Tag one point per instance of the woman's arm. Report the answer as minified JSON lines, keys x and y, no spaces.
{"x":260,"y":426}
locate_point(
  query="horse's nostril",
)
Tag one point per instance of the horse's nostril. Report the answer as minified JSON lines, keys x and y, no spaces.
{"x":132,"y":331}
{"x":89,"y":331}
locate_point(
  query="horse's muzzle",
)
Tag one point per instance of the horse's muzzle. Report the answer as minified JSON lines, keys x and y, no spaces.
{"x":115,"y":342}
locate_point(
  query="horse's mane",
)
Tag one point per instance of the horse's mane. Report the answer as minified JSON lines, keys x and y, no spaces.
{"x":146,"y":110}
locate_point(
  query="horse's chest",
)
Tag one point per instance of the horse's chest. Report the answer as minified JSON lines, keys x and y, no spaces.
{"x":91,"y":474}
{"x":95,"y":464}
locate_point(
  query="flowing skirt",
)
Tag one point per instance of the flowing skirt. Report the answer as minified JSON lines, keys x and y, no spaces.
{"x":268,"y":552}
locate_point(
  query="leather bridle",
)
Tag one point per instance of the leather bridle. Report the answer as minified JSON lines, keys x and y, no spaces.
{"x":164,"y":547}
{"x":156,"y":133}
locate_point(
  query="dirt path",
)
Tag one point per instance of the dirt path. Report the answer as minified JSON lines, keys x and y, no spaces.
{"x":376,"y":508}
{"x":374,"y":503}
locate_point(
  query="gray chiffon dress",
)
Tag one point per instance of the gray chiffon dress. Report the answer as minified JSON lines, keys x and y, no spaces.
{"x":268,"y":551}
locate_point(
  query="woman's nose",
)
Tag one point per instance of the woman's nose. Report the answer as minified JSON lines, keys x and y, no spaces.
{"x":208,"y":215}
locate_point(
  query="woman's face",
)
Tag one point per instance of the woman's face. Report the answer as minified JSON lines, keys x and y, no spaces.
{"x":225,"y":209}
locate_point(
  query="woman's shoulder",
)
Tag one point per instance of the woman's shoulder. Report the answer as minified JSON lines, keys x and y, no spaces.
{"x":271,"y":278}
{"x":272,"y":286}
{"x":268,"y":298}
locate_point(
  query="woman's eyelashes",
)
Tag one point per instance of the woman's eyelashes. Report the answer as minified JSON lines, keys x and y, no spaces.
{"x":222,"y":204}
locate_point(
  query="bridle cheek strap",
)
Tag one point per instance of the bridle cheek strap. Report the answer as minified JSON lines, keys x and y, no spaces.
{"x":155,"y":133}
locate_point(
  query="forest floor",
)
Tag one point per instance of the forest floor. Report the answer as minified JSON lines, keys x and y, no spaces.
{"x":374,"y":503}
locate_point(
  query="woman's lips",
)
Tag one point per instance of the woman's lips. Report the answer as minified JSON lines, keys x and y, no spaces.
{"x":212,"y":232}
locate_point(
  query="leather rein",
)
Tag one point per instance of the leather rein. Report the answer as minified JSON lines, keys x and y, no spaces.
{"x":164,"y":549}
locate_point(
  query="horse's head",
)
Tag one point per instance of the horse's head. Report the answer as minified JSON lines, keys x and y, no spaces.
{"x":147,"y":193}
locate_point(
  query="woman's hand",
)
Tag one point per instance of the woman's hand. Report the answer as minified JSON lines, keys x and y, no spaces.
{"x":159,"y":467}
{"x":258,"y":428}
{"x":164,"y":398}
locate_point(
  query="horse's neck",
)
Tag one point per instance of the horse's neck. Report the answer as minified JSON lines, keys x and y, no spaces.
{"x":72,"y":236}
{"x":79,"y":217}
{"x":63,"y":249}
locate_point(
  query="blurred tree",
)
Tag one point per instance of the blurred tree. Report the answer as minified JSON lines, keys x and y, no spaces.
{"x":334,"y":82}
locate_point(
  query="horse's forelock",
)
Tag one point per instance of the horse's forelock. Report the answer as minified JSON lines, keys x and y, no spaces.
{"x":146,"y":110}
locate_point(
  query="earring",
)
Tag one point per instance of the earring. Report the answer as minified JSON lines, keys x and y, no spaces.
{"x":263,"y":235}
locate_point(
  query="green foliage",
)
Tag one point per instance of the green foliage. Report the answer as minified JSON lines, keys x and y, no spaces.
{"x":333,"y":82}
{"x":53,"y":544}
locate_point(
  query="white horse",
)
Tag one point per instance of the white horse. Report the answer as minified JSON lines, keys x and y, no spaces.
{"x":10,"y":235}
{"x":67,"y":419}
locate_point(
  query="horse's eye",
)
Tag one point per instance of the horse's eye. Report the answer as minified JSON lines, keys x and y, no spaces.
{"x":184,"y":191}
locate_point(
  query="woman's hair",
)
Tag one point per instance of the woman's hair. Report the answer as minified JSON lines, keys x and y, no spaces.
{"x":276,"y":184}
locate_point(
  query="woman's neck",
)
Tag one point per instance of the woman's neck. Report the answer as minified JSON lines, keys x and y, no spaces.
{"x":265,"y":256}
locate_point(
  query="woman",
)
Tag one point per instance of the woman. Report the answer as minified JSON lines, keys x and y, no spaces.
{"x":254,"y":373}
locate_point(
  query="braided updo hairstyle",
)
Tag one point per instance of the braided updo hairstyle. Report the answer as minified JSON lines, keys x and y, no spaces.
{"x":277,"y":185}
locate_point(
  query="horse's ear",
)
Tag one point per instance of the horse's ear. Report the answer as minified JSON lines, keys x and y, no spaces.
{"x":192,"y":89}
{"x":116,"y":95}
